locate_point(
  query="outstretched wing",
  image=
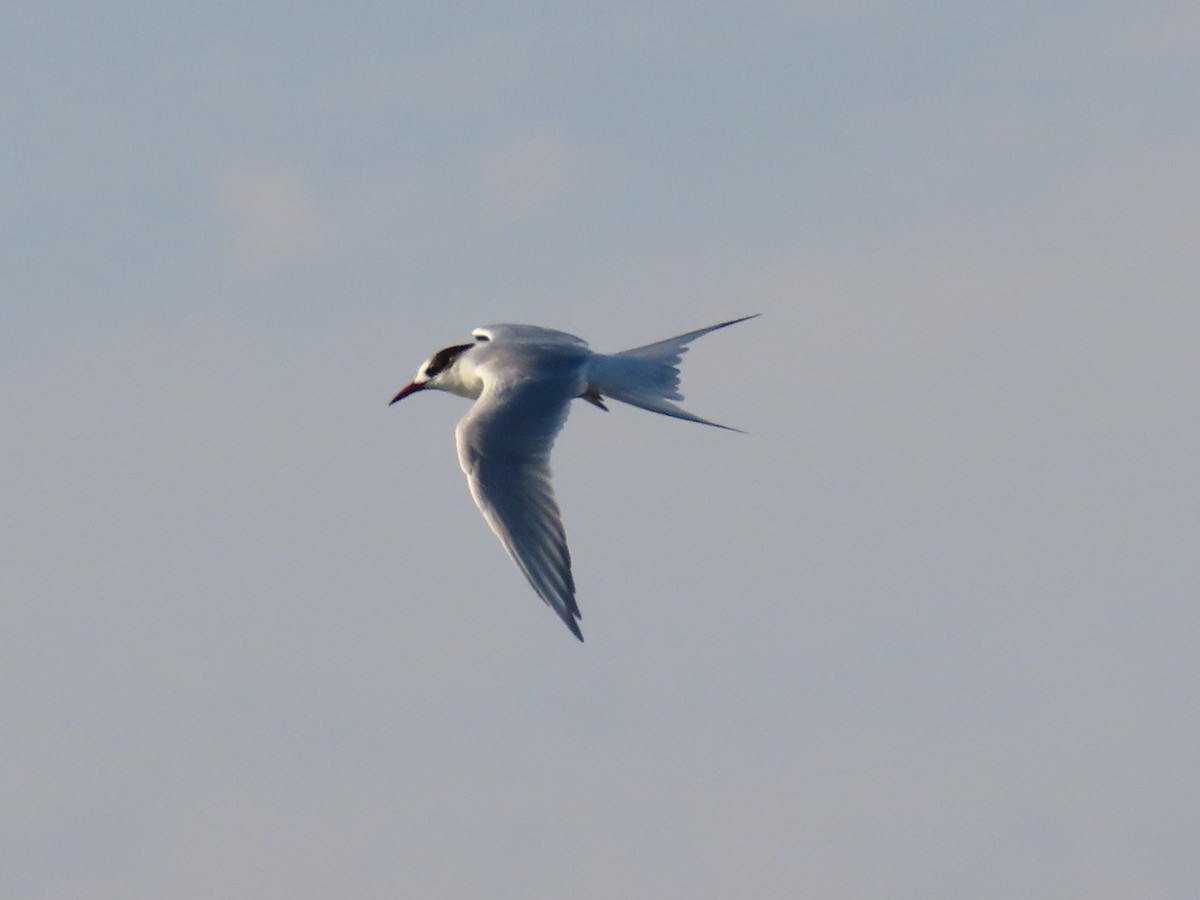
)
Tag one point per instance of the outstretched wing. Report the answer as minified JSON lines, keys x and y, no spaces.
{"x":504,"y":445}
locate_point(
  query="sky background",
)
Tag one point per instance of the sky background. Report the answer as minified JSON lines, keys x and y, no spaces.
{"x":929,"y":631}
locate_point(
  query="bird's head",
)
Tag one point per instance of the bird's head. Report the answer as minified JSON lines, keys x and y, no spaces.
{"x":438,"y":372}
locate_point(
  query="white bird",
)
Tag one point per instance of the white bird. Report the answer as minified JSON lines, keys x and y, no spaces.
{"x":523,"y":379}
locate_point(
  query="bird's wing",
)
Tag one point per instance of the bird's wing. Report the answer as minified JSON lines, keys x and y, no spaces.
{"x":504,"y":445}
{"x":526,"y":334}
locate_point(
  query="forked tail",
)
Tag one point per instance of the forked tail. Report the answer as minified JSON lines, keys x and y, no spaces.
{"x":648,"y":376}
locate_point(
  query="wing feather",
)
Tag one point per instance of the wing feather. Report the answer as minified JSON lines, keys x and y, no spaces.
{"x":504,"y":446}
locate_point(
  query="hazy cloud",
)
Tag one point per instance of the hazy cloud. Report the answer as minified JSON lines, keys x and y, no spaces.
{"x":271,"y":213}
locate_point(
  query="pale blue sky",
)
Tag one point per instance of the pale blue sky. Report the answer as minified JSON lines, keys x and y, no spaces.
{"x":929,"y":631}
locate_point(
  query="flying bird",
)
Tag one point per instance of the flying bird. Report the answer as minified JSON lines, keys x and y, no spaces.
{"x":523,"y":379}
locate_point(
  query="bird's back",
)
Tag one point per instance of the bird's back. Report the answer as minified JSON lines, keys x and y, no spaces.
{"x":511,"y":354}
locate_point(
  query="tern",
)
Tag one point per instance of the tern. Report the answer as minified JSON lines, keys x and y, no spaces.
{"x":523,"y":379}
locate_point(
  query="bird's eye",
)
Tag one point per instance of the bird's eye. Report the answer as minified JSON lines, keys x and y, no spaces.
{"x":443,"y":359}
